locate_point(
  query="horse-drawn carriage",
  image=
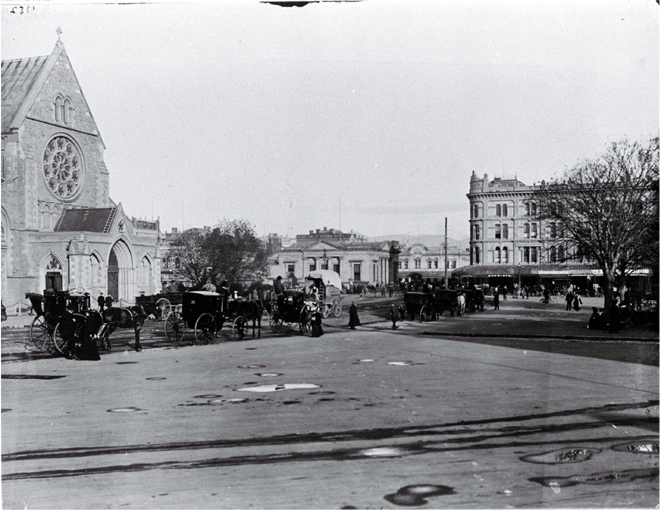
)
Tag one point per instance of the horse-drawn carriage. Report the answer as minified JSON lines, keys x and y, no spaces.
{"x":206,"y":312}
{"x":292,"y":307}
{"x":328,"y":285}
{"x":65,"y":323}
{"x":49,"y":309}
{"x":426,"y":306}
{"x":160,"y":305}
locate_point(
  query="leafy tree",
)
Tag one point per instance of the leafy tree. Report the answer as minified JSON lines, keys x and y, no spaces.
{"x":230,"y":251}
{"x":607,"y":211}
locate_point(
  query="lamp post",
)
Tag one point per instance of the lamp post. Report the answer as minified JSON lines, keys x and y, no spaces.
{"x":302,"y":258}
{"x":519,"y":282}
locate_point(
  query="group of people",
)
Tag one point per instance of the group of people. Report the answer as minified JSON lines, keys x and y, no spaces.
{"x":104,"y":301}
{"x":573,"y":301}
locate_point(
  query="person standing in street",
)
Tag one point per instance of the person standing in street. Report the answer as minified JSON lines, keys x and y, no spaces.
{"x":394,"y":315}
{"x":108,"y":301}
{"x":496,"y":297}
{"x":353,"y":320}
{"x":101,"y":302}
{"x":569,"y":301}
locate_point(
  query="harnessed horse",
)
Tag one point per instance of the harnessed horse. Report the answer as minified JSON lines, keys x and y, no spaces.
{"x":114,"y":318}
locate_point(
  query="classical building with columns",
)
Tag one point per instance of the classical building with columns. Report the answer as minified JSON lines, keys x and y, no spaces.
{"x":60,"y":228}
{"x":356,"y":260}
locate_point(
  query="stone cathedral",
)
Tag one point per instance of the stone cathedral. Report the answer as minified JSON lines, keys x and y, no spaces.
{"x":60,"y":228}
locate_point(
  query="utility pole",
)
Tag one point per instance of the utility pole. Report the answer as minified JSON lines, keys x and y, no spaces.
{"x":446,"y":264}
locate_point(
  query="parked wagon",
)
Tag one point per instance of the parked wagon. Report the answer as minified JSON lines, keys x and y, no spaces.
{"x":420,"y":306}
{"x":329,"y":287}
{"x":205,"y":313}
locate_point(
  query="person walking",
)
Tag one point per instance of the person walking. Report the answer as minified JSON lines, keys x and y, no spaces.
{"x":505,"y":291}
{"x":317,"y":324}
{"x":101,"y":302}
{"x":496,"y":297}
{"x":569,"y":301}
{"x":576,"y":302}
{"x":353,"y":320}
{"x":394,"y":315}
{"x":108,"y":301}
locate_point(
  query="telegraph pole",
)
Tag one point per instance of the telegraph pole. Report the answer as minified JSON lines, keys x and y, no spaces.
{"x":446,"y":264}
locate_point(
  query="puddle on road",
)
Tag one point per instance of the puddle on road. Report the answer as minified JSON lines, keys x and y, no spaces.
{"x":268,"y":375}
{"x":126,"y":362}
{"x":400,"y":363}
{"x":384,"y":451}
{"x":124,"y":410}
{"x":415,"y":495}
{"x":5,"y":410}
{"x":208,"y":396}
{"x":368,"y":360}
{"x":597,"y":478}
{"x":561,"y":456}
{"x":156,"y":378}
{"x":321,"y":393}
{"x":252,"y":366}
{"x":228,"y":401}
{"x":279,"y":387}
{"x":26,"y":376}
{"x":644,"y":447}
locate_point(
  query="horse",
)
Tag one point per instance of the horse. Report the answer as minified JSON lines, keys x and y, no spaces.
{"x":113,"y":318}
{"x":251,"y":310}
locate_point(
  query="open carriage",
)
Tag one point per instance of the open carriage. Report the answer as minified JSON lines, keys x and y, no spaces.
{"x":160,"y":305}
{"x":328,"y":285}
{"x":292,"y":307}
{"x":204,"y":313}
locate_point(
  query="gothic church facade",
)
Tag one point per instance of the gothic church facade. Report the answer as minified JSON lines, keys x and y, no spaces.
{"x":60,"y":228}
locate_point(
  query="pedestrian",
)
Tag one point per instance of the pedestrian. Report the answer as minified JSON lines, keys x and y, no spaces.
{"x":353,"y":320}
{"x":614,"y":317}
{"x":108,"y":301}
{"x":576,"y":302}
{"x":505,"y":291}
{"x":496,"y":297}
{"x":101,"y":301}
{"x":394,"y":315}
{"x":461,"y":303}
{"x":569,"y":301}
{"x":317,"y":324}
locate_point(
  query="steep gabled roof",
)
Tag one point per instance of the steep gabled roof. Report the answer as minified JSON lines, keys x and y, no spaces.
{"x":22,"y":82}
{"x":20,"y":77}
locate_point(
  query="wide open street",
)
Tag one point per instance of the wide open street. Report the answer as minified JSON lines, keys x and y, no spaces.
{"x":370,"y":418}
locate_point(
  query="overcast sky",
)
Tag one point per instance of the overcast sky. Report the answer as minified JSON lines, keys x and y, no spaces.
{"x":368,"y":116}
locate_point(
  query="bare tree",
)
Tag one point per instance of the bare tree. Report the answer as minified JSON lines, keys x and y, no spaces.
{"x":607,"y":211}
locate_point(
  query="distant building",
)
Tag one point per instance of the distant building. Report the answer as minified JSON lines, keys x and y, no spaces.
{"x":60,"y":228}
{"x":356,"y":260}
{"x":429,"y":262}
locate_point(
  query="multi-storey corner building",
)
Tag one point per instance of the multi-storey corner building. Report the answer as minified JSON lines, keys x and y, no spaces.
{"x":510,"y":244}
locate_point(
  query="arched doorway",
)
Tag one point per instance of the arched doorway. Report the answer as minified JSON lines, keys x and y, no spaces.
{"x":113,"y":275}
{"x":121,"y":273}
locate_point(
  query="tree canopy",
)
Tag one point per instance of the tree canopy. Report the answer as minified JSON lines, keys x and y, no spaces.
{"x":230,"y":251}
{"x":606,"y":210}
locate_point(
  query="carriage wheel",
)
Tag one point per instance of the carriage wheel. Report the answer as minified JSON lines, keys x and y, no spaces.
{"x":239,"y":329}
{"x":275,"y":323}
{"x":423,"y":314}
{"x":326,"y":310}
{"x":205,"y":329}
{"x":61,"y":342}
{"x":41,"y":334}
{"x":336,"y":308}
{"x":305,"y":322}
{"x":164,"y":305}
{"x":178,"y":309}
{"x":175,"y":327}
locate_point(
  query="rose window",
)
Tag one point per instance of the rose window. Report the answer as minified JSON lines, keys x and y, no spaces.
{"x":63,"y":168}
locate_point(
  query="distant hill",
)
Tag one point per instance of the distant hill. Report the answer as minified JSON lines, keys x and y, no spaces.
{"x":427,"y":240}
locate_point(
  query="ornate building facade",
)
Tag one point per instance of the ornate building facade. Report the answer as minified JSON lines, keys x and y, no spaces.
{"x":60,"y":228}
{"x":509,"y":243}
